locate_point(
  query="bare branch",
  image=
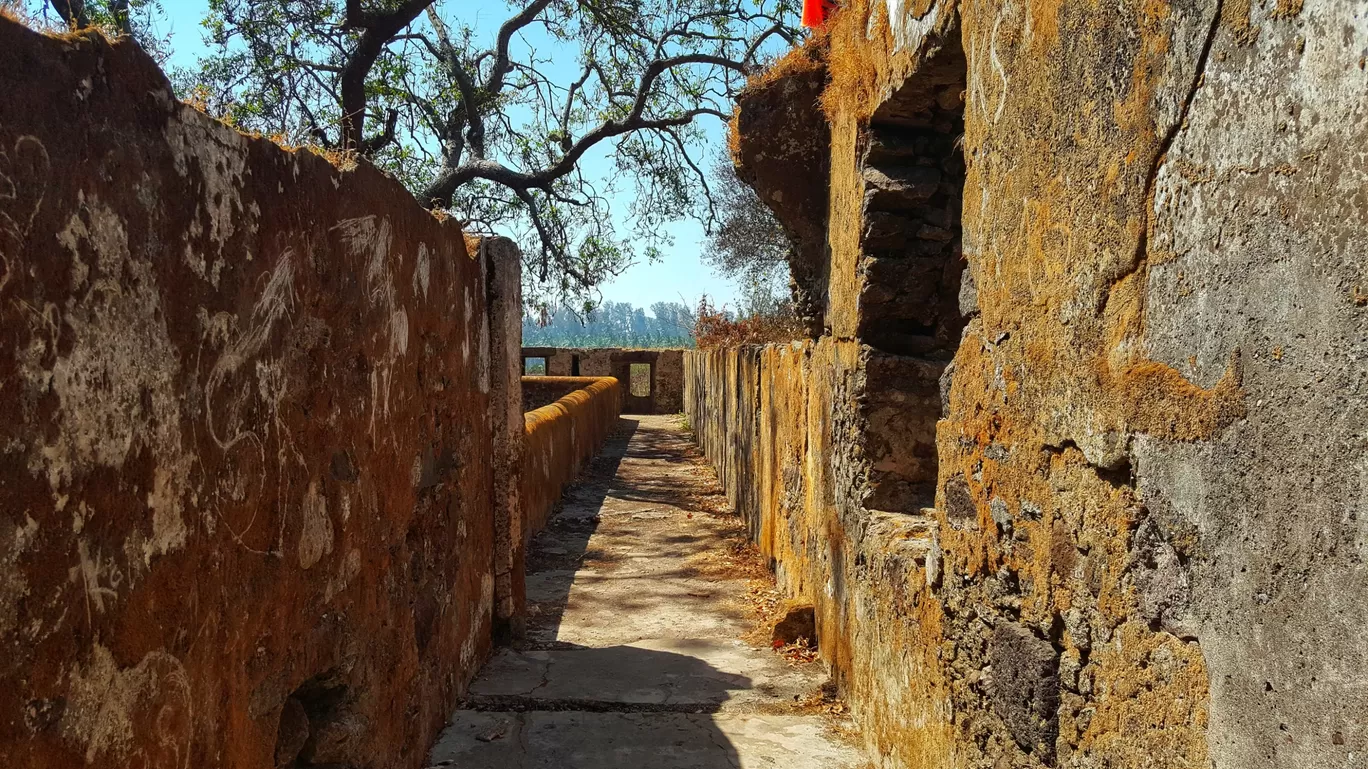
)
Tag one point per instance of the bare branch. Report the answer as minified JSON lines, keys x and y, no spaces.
{"x":377,"y":30}
{"x":570,"y":103}
{"x":471,"y":113}
{"x":441,"y":190}
{"x":550,"y":243}
{"x":501,"y":62}
{"x":776,"y":29}
{"x":702,"y":177}
{"x":376,"y":143}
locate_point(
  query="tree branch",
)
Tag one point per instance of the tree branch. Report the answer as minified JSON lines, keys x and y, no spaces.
{"x":702,"y":177}
{"x":501,"y":62}
{"x":442,"y":189}
{"x":376,"y":143}
{"x":73,"y":12}
{"x":377,"y":31}
{"x":122,"y":18}
{"x":474,"y":122}
{"x":549,"y":243}
{"x":776,"y":29}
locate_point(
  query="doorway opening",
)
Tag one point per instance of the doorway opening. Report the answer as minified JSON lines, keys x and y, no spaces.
{"x":639,"y":380}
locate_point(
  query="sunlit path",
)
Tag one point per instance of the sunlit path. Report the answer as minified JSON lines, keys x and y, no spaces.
{"x":635,"y":654}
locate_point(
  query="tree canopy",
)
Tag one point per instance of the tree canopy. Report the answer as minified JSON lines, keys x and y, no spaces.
{"x":612,"y":324}
{"x":748,"y":245}
{"x":495,"y":121}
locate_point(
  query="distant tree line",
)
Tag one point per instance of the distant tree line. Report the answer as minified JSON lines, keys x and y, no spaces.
{"x":611,"y":324}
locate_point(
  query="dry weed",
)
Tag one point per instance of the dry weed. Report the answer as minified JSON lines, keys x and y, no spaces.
{"x":714,"y":328}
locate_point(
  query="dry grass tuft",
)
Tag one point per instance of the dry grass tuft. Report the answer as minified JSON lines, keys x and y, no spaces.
{"x":342,"y":160}
{"x":14,"y":11}
{"x":864,"y":61}
{"x":808,"y":57}
{"x":858,"y":63}
{"x":734,"y":136}
{"x":18,"y":11}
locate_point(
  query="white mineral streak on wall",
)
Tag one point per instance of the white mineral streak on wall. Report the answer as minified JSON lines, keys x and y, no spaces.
{"x":228,"y":386}
{"x":116,"y":384}
{"x":371,"y":239}
{"x":908,"y":31}
{"x":108,"y":708}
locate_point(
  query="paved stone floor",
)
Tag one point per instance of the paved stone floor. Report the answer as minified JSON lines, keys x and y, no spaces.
{"x":634,"y":656}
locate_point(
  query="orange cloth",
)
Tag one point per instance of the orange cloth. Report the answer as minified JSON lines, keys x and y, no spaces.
{"x":815,"y":12}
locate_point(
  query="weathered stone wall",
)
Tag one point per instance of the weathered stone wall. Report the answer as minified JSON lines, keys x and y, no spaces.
{"x":667,"y":373}
{"x":245,"y":438}
{"x":780,"y":425}
{"x":538,"y":391}
{"x":560,"y":439}
{"x":780,"y":144}
{"x":1146,"y":546}
{"x":503,"y":289}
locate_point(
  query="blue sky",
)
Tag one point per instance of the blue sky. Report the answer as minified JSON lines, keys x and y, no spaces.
{"x":680,"y":276}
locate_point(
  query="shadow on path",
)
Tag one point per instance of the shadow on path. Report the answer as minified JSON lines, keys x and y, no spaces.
{"x":632,"y":658}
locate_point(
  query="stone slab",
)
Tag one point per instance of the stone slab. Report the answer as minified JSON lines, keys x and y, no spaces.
{"x":592,"y":615}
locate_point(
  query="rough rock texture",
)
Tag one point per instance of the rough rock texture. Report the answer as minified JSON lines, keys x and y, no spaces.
{"x":503,"y":289}
{"x":781,"y":147}
{"x":245,"y":437}
{"x":1150,"y":457}
{"x":666,"y":394}
{"x":559,"y":440}
{"x":778,"y":424}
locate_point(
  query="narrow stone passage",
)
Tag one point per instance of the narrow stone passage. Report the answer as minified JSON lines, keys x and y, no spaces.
{"x":635,"y":654}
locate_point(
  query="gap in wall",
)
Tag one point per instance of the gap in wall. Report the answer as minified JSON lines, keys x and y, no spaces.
{"x":640,"y":376}
{"x":910,"y":267}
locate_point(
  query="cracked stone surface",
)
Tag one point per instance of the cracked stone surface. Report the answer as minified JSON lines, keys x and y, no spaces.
{"x":634,"y":654}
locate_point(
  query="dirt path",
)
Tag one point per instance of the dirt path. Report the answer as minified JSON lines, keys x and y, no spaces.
{"x":646,"y":643}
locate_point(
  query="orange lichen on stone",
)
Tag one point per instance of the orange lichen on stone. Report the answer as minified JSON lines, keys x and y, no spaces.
{"x":1287,"y":9}
{"x":1157,"y":400}
{"x":248,"y":391}
{"x":1155,"y":709}
{"x":867,"y":62}
{"x":1235,"y":16}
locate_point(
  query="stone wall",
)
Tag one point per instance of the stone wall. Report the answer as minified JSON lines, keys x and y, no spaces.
{"x":560,"y":439}
{"x":538,"y":391}
{"x":246,"y":439}
{"x":667,"y":373}
{"x":503,"y":289}
{"x":1147,"y":536}
{"x":779,"y":425}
